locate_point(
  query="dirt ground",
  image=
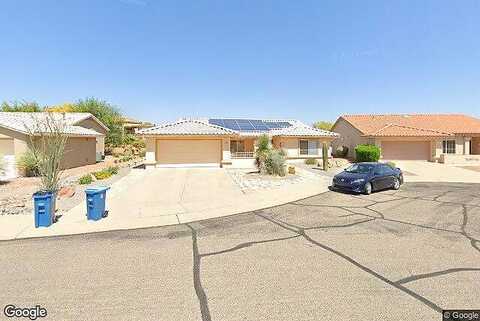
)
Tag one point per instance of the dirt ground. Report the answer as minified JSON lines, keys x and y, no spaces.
{"x":16,"y":194}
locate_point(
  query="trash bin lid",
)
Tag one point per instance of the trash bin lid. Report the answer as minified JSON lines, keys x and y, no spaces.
{"x":96,"y":189}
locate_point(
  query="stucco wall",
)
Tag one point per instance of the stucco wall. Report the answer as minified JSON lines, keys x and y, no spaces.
{"x":20,"y":141}
{"x":100,"y":140}
{"x":291,"y":145}
{"x":349,"y":136}
{"x":79,"y":151}
{"x":6,"y":146}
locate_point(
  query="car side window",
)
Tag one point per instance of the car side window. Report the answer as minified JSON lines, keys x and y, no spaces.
{"x":387,"y":170}
{"x":378,"y":170}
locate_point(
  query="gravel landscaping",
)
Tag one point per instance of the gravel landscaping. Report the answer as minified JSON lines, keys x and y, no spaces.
{"x":16,"y":194}
{"x":249,"y":180}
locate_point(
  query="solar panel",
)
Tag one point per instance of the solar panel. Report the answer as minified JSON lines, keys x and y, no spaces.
{"x":245,"y":124}
{"x":249,"y":124}
{"x":258,"y":124}
{"x":231,"y":124}
{"x":218,"y":122}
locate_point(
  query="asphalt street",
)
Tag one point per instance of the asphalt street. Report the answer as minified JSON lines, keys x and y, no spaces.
{"x":392,"y":255}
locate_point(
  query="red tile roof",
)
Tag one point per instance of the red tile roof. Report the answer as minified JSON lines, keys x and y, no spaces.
{"x":414,"y":125}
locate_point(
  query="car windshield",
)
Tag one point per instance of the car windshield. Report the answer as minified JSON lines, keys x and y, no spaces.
{"x":360,"y":168}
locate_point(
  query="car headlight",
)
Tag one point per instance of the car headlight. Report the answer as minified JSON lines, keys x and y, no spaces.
{"x":358,"y":180}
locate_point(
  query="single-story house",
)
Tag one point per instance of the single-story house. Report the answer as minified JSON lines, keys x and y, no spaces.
{"x":228,"y":142}
{"x":131,"y":125}
{"x":85,"y":143}
{"x":445,"y":138}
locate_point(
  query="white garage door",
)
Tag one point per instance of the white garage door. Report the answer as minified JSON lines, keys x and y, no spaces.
{"x":188,"y":152}
{"x":406,"y":150}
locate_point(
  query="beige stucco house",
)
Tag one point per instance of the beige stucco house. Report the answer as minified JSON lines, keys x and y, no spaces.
{"x":228,"y":142}
{"x":445,"y":138}
{"x":85,"y":143}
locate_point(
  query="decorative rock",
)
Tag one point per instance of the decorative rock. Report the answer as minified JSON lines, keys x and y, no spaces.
{"x":66,"y":192}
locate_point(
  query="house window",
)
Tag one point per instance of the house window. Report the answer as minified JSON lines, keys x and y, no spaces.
{"x":308,"y":147}
{"x":237,"y":146}
{"x":449,"y":146}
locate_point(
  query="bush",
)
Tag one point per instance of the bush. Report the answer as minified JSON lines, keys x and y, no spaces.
{"x":29,"y":163}
{"x":104,"y":174}
{"x":367,"y":153}
{"x":85,"y":179}
{"x":126,"y":158}
{"x":113,"y":170}
{"x":311,"y":161}
{"x":263,"y":144}
{"x":341,"y":151}
{"x":275,"y":162}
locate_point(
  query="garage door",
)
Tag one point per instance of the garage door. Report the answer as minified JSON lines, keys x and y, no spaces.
{"x":186,"y":152}
{"x":406,"y":150}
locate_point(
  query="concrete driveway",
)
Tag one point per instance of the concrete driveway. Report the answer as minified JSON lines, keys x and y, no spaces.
{"x":422,"y":171}
{"x":390,"y":256}
{"x":167,"y":196}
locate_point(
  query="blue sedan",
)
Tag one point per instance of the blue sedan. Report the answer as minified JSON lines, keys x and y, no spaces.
{"x":368,"y":177}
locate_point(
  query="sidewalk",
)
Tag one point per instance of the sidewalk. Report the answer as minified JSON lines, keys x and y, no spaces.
{"x":165,"y":197}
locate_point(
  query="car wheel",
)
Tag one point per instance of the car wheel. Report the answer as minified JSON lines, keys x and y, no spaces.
{"x":368,"y":189}
{"x":396,"y":184}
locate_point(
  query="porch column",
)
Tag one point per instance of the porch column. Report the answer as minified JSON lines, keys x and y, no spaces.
{"x":226,"y":155}
{"x":150,"y":152}
{"x":466,"y":145}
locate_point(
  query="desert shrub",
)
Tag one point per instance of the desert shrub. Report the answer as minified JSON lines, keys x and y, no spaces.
{"x":29,"y":163}
{"x":126,"y":158}
{"x":85,"y":179}
{"x":367,"y":153}
{"x":103,"y":174}
{"x":113,"y":170}
{"x":261,"y":153}
{"x":341,"y":151}
{"x":392,"y":164}
{"x":133,"y":140}
{"x":311,"y":161}
{"x":275,"y":162}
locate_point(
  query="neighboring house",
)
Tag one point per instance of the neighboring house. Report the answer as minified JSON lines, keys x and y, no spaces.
{"x":228,"y":142}
{"x":446,"y":138}
{"x":131,"y":125}
{"x":85,"y":143}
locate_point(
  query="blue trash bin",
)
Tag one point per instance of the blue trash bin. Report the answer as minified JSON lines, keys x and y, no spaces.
{"x":96,"y":202}
{"x":44,"y":208}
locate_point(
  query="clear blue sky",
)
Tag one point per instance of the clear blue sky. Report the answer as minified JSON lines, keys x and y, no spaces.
{"x":310,"y":60}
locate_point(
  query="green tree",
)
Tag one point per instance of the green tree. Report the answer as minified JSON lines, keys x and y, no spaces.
{"x":21,"y":106}
{"x":325,"y":125}
{"x":107,"y":114}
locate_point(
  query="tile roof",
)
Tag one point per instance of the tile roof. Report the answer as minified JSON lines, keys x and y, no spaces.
{"x":203,"y":127}
{"x":300,"y":129}
{"x":32,"y":122}
{"x":186,"y":127}
{"x":414,"y":124}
